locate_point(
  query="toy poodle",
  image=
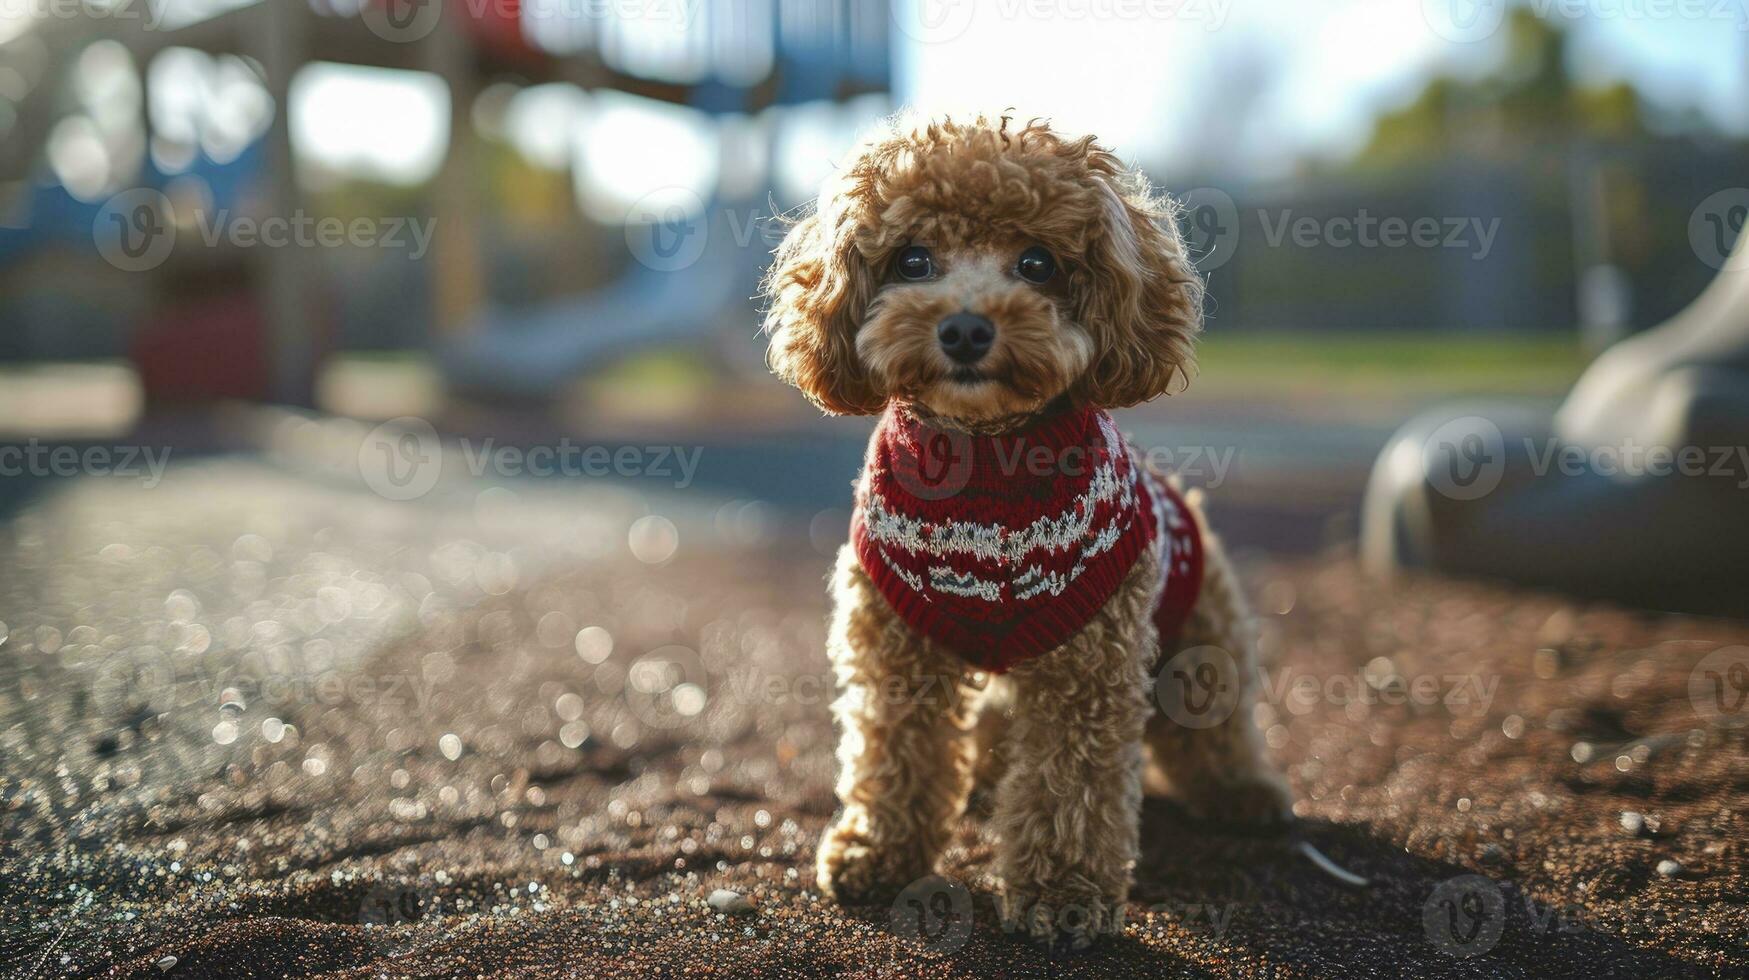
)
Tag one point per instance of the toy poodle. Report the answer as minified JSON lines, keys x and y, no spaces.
{"x":1015,"y":577}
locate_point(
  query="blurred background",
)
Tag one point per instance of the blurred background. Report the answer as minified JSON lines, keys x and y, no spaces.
{"x":394,"y":502}
{"x":533,"y":220}
{"x":530,"y":220}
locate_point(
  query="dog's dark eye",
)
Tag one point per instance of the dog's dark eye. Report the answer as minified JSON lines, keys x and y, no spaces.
{"x":915,"y":263}
{"x":1036,"y":265}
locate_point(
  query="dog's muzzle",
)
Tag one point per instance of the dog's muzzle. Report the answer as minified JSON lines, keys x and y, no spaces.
{"x":965,"y":337}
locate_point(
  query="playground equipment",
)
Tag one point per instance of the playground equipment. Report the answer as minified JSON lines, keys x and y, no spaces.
{"x":1636,"y":490}
{"x":722,"y":57}
{"x":698,"y":288}
{"x":695,"y":267}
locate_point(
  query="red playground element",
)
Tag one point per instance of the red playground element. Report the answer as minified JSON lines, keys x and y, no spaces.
{"x":203,"y":350}
{"x":496,"y":26}
{"x":493,"y":25}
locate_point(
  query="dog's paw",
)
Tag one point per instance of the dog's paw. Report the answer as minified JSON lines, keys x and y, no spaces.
{"x":852,"y":870}
{"x":1060,"y":920}
{"x":1257,"y":801}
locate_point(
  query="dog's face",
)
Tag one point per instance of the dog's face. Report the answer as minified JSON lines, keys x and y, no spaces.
{"x":981,"y":272}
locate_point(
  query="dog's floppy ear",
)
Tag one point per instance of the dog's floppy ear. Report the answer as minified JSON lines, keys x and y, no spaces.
{"x":1143,"y":303}
{"x":819,"y":287}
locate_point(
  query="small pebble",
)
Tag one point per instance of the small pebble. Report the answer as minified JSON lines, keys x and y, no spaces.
{"x":1669,"y":868}
{"x":1641,"y":824}
{"x":1546,"y":663}
{"x":1558,"y":628}
{"x":733,"y":903}
{"x":166,"y":963}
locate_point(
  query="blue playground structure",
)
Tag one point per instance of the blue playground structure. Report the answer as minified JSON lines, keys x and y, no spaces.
{"x":725,"y":61}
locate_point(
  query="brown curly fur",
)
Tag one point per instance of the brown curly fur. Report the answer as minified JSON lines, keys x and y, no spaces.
{"x":902,"y":699}
{"x":984,"y":186}
{"x":1218,"y":772}
{"x":1060,"y":737}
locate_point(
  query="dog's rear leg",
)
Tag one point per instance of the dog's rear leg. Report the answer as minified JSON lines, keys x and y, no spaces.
{"x":1202,"y":738}
{"x":904,"y":752}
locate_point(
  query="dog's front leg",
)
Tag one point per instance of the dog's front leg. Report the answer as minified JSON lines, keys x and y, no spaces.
{"x":905,"y":752}
{"x":1068,"y":810}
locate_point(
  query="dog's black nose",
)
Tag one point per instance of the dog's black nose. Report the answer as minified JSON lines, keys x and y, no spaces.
{"x":965,"y":337}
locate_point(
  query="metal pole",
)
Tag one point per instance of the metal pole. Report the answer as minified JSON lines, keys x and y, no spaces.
{"x":455,"y":254}
{"x":290,"y":280}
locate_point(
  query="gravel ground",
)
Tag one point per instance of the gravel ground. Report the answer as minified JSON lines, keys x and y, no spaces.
{"x":259,"y":725}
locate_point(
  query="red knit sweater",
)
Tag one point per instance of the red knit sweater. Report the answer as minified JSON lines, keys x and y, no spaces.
{"x":1003,"y":547}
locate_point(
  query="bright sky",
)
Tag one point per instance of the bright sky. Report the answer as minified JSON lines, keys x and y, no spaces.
{"x":1154,"y":85}
{"x":1245,"y":85}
